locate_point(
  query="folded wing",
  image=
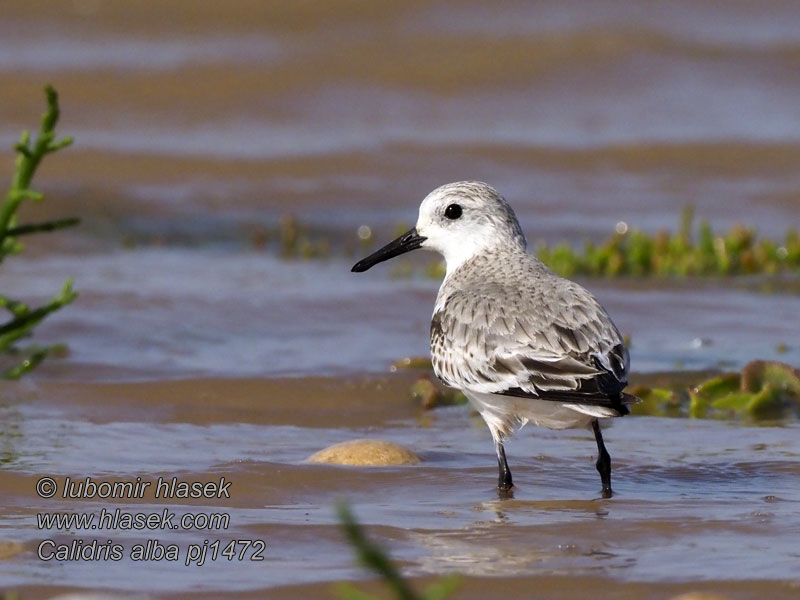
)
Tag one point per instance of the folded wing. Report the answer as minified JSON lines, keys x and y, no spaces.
{"x":553,"y":344}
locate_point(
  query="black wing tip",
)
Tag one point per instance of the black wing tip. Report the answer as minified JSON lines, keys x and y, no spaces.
{"x":618,"y":402}
{"x":628,"y":399}
{"x":622,"y":402}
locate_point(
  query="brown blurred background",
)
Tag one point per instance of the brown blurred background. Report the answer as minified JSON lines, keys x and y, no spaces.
{"x":200,"y":125}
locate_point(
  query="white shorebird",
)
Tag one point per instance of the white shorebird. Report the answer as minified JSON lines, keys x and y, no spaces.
{"x":522,"y":343}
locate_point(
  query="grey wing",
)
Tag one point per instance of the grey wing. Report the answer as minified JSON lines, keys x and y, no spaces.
{"x":559,"y":344}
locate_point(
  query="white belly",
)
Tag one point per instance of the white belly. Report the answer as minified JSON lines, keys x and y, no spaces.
{"x":504,"y":413}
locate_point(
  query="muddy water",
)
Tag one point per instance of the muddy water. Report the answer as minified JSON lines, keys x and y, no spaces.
{"x":169,"y":313}
{"x":697,"y":502}
{"x":199,"y":127}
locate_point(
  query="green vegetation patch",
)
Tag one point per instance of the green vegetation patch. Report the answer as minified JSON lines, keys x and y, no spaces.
{"x":761,"y":391}
{"x":684,"y":253}
{"x":24,"y":318}
{"x":688,"y":252}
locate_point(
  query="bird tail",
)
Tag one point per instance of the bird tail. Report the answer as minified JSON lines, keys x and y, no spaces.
{"x":628,"y":399}
{"x":616,"y":407}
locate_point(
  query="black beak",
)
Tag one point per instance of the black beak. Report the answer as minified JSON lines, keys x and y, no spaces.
{"x":410,"y":240}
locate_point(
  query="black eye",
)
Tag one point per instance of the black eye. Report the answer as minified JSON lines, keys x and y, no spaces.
{"x":453,"y":211}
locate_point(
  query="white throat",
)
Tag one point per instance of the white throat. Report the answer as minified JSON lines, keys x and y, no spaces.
{"x":456,"y":254}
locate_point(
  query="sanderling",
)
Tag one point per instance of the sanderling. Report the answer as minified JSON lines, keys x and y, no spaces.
{"x":522,"y":343}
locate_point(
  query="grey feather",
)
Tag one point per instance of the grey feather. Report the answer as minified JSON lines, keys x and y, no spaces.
{"x":506,"y":324}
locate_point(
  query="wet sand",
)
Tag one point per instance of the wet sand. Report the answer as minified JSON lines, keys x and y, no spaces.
{"x":698,"y":505}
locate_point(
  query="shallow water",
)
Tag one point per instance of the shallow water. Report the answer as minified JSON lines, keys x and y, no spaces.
{"x":198,"y":128}
{"x":165,"y":313}
{"x":695,"y":500}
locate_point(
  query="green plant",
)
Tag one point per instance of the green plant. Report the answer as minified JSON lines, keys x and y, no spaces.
{"x":687,"y":252}
{"x":680,"y":254}
{"x":376,"y":559}
{"x":24,"y":318}
{"x":762,"y":391}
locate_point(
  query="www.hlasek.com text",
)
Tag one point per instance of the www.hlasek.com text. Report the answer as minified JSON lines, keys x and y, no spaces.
{"x":122,"y":520}
{"x":116,"y":519}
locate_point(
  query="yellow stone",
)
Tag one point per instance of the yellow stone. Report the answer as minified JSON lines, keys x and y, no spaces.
{"x":365,"y":453}
{"x":9,"y":548}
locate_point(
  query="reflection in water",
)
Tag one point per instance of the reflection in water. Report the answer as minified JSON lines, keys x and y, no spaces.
{"x":10,"y":433}
{"x":692,"y":501}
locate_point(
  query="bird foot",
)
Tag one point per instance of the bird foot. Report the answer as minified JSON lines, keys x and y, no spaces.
{"x":505,"y":493}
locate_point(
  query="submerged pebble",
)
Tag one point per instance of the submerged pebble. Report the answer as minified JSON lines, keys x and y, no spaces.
{"x":365,"y":453}
{"x":9,"y":548}
{"x":432,"y":395}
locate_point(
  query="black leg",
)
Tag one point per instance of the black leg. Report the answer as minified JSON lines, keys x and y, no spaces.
{"x":603,"y":461}
{"x":504,"y":479}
